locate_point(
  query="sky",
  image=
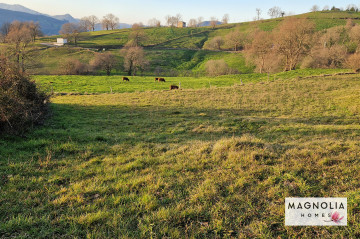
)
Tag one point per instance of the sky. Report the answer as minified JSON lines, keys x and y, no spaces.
{"x":132,"y":11}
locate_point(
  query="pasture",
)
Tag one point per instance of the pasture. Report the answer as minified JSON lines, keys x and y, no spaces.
{"x":198,"y":162}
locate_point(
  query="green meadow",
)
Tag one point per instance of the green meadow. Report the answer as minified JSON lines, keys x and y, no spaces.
{"x":202,"y":162}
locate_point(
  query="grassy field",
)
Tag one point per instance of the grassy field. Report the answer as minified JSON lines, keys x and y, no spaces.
{"x":104,"y":84}
{"x":196,"y":163}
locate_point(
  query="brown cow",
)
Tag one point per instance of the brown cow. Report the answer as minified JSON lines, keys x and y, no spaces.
{"x":174,"y":87}
{"x":156,"y":79}
{"x":125,"y":79}
{"x":161,"y":80}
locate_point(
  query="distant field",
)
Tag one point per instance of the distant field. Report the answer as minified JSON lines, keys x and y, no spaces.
{"x":104,"y":84}
{"x":196,"y":163}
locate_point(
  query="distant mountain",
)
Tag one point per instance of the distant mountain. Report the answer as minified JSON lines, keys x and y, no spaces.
{"x":49,"y":25}
{"x":18,"y":8}
{"x":66,"y":17}
{"x":207,"y":24}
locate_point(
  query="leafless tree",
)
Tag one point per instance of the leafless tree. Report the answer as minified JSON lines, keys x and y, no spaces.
{"x":200,"y":20}
{"x":35,"y":29}
{"x":326,"y":8}
{"x":258,"y":13}
{"x":293,"y":39}
{"x":85,"y":24}
{"x":192,"y":22}
{"x":213,"y":22}
{"x":275,"y":12}
{"x":5,"y":28}
{"x":154,"y":23}
{"x":71,"y":31}
{"x":93,"y":20}
{"x":172,"y":21}
{"x":134,"y":59}
{"x":352,"y":8}
{"x":235,"y":40}
{"x":225,"y":19}
{"x":315,"y":8}
{"x":19,"y":37}
{"x":214,"y":44}
{"x":104,"y":61}
{"x":110,"y":21}
{"x":136,"y":36}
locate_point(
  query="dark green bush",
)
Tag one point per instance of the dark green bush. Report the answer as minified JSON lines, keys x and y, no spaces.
{"x":22,"y":104}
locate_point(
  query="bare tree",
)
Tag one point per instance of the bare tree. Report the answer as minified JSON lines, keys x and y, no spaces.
{"x":35,"y":29}
{"x":258,"y":13}
{"x":19,"y":38}
{"x":275,"y":12}
{"x":225,"y":19}
{"x":352,"y":8}
{"x":214,"y":44}
{"x":136,"y":36}
{"x":104,"y":61}
{"x":315,"y":8}
{"x":71,"y":31}
{"x":172,"y":21}
{"x":110,"y":21}
{"x":213,"y":22}
{"x":192,"y":22}
{"x":85,"y":24}
{"x":5,"y":28}
{"x":235,"y":40}
{"x":154,"y":23}
{"x":93,"y":20}
{"x":326,"y":8}
{"x":293,"y":39}
{"x":134,"y":59}
{"x":200,"y":20}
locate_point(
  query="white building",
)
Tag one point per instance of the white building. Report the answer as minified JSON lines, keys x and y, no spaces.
{"x":61,"y":41}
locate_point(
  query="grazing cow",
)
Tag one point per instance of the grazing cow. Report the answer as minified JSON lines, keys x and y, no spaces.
{"x":161,"y":80}
{"x":174,"y":87}
{"x":69,"y":82}
{"x":156,"y":79}
{"x":125,"y":79}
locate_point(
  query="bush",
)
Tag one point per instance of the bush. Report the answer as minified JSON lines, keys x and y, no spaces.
{"x":22,"y":104}
{"x":218,"y":68}
{"x":73,"y":67}
{"x":354,"y":62}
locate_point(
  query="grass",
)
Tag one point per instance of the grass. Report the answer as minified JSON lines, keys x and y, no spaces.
{"x":194,"y":163}
{"x":104,"y":84}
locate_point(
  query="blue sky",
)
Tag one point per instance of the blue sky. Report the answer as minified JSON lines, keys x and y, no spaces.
{"x":131,"y":11}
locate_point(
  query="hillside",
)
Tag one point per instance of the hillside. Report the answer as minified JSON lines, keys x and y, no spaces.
{"x":194,"y":38}
{"x":49,"y":25}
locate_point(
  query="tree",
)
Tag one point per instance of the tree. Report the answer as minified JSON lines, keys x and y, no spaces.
{"x":172,"y":21}
{"x":154,"y":23}
{"x":315,"y":8}
{"x":110,"y":21}
{"x":200,"y":20}
{"x":225,"y":19}
{"x":214,"y":44}
{"x":275,"y":12}
{"x":85,"y":24}
{"x":352,"y":8}
{"x":19,"y":38}
{"x":136,"y":36}
{"x":235,"y":40}
{"x":5,"y":28}
{"x":192,"y":22}
{"x":93,"y":20}
{"x":104,"y":61}
{"x":71,"y":31}
{"x":293,"y":38}
{"x":213,"y":22}
{"x":261,"y":51}
{"x":326,"y":8}
{"x":134,"y":59}
{"x":35,"y":30}
{"x":217,"y":67}
{"x":73,"y":66}
{"x":258,"y":13}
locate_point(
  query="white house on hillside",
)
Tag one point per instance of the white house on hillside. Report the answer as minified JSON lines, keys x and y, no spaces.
{"x":61,"y":41}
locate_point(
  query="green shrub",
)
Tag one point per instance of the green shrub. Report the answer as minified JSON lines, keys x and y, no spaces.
{"x":22,"y":104}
